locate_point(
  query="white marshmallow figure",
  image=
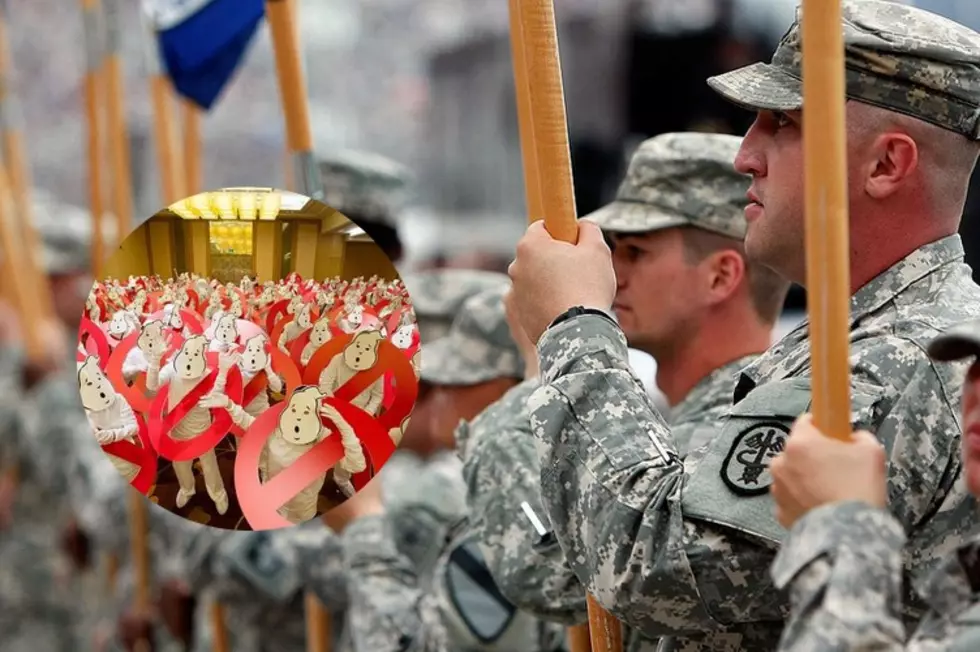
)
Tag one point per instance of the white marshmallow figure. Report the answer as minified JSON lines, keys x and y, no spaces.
{"x":110,"y":416}
{"x":295,"y":328}
{"x":300,"y":429}
{"x":353,"y":320}
{"x":123,"y":323}
{"x":151,"y":342}
{"x":253,"y":360}
{"x":319,"y":335}
{"x":361,"y":354}
{"x":173,"y":320}
{"x":225,"y":334}
{"x":236,"y":306}
{"x":184,"y":372}
{"x":403,"y":337}
{"x":138,"y":306}
{"x":214,"y":306}
{"x":294,"y":305}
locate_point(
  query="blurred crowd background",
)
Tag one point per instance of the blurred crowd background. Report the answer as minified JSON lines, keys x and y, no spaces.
{"x":428,"y":83}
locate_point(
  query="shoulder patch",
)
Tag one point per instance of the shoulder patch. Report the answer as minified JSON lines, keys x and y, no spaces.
{"x":746,"y":467}
{"x":475,"y":596}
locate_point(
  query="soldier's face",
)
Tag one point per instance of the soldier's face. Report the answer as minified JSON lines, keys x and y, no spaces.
{"x":772,"y":153}
{"x":452,"y":404}
{"x":418,"y":437}
{"x":971,"y":430}
{"x":656,"y":289}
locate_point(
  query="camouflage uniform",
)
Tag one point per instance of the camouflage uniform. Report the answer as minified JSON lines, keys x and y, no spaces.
{"x":39,"y":588}
{"x":674,"y":180}
{"x":843,"y":564}
{"x":393,"y":607}
{"x":682,"y":547}
{"x":260,"y":577}
{"x":409,"y":480}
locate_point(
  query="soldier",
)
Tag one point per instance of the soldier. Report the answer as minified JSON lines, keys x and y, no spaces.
{"x":41,"y":584}
{"x":368,"y":189}
{"x":842,"y":559}
{"x":436,"y":298}
{"x":682,"y":547}
{"x":396,"y":603}
{"x":259,"y":579}
{"x":677,"y":219}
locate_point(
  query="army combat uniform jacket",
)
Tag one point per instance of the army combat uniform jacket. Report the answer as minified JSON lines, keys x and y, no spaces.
{"x":682,"y":547}
{"x":843,"y":563}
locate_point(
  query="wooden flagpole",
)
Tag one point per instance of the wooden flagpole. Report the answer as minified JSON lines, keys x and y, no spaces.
{"x":827,"y":248}
{"x":578,"y":635}
{"x":281,"y":15}
{"x":537,"y":76}
{"x":118,"y":137}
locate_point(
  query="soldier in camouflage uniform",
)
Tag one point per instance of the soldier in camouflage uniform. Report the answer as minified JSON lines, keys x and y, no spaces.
{"x":683,"y":548}
{"x":393,"y":604}
{"x":842,"y":559}
{"x":40,"y":585}
{"x":678,"y":217}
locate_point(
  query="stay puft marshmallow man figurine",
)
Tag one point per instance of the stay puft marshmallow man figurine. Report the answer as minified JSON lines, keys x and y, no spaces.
{"x":299,"y":429}
{"x":183,"y":373}
{"x":319,"y":335}
{"x":253,"y":360}
{"x":295,"y":328}
{"x":150,"y":342}
{"x":361,"y":354}
{"x":110,"y":416}
{"x":225,"y":334}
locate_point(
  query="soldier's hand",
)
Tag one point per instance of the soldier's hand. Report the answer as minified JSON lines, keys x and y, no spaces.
{"x":136,"y":631}
{"x":177,"y":606}
{"x":815,"y":470}
{"x":552,"y":276}
{"x":366,"y":502}
{"x":76,"y":545}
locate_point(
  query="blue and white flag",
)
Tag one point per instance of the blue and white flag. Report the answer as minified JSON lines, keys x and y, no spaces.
{"x":203,"y":42}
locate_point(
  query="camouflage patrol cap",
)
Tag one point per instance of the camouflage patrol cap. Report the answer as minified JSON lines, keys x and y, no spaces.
{"x":896,"y":57}
{"x":65,"y":234}
{"x":479,"y":346}
{"x":959,"y":342}
{"x":438,"y":294}
{"x":364,"y":185}
{"x":681,"y":179}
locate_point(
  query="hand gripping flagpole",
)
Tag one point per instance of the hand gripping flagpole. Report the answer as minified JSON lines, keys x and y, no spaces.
{"x":544,"y":145}
{"x":281,"y":15}
{"x":827,"y":249}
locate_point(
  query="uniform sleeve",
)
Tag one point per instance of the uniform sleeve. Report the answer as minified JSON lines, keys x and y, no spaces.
{"x":388,"y":611}
{"x":612,"y":482}
{"x":843,"y":566}
{"x":502,"y":471}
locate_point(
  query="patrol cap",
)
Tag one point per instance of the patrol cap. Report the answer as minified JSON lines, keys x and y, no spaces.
{"x":896,"y":57}
{"x":680,"y":179}
{"x":364,"y":184}
{"x":65,"y":234}
{"x":438,"y":294}
{"x":959,"y":342}
{"x":479,"y":346}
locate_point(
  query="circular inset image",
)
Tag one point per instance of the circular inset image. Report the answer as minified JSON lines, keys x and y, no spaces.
{"x":250,"y":360}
